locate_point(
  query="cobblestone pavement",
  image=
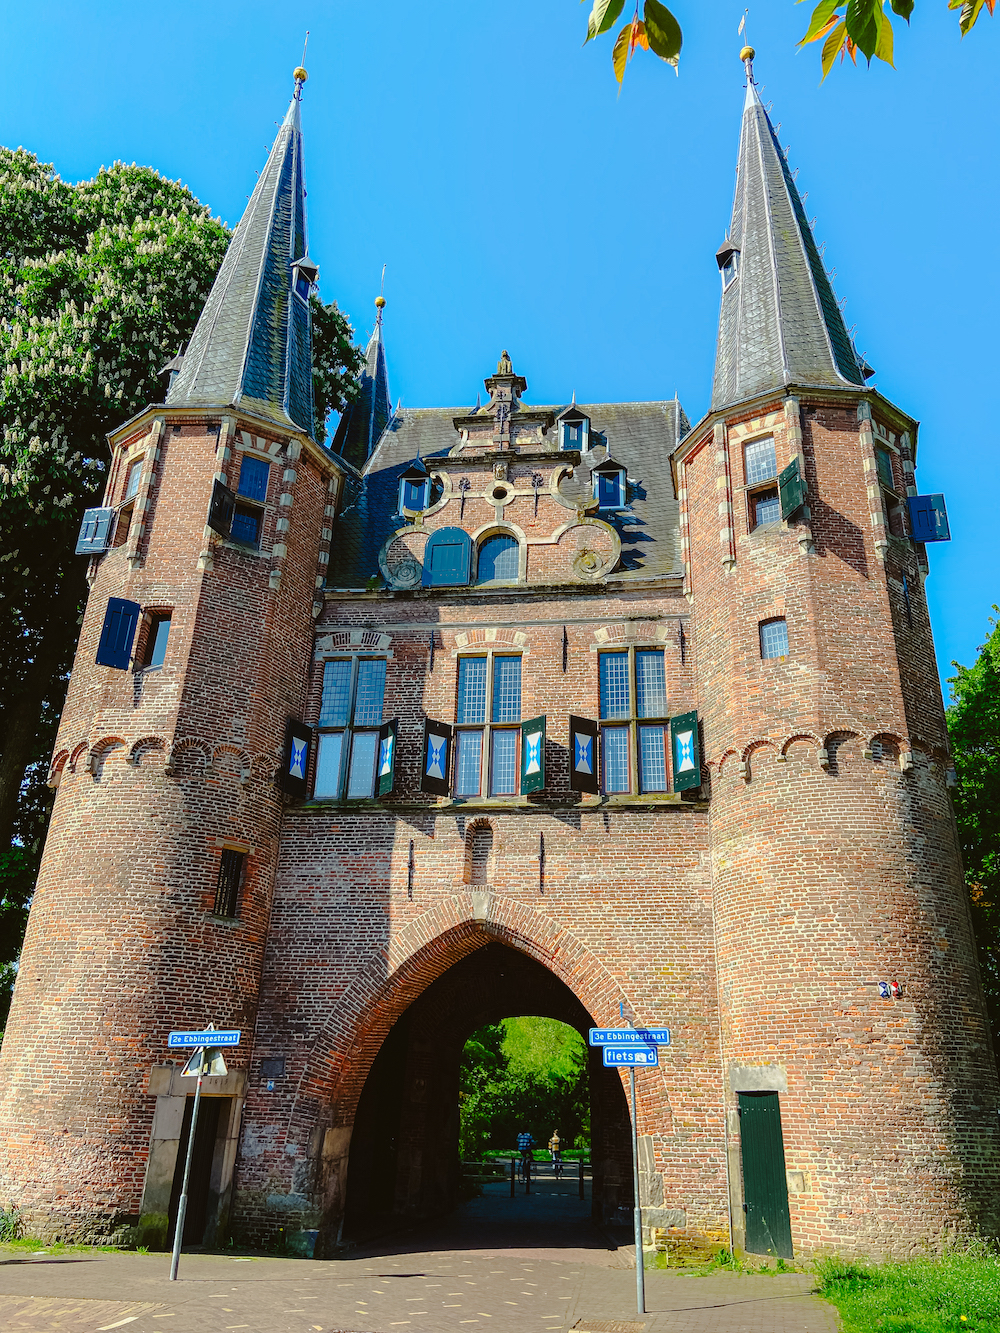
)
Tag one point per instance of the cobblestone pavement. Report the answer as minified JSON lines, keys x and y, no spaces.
{"x":535,"y":1265}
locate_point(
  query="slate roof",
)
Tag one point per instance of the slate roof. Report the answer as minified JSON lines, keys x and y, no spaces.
{"x":253,"y":343}
{"x":780,"y":322}
{"x":361,"y":426}
{"x":640,"y":435}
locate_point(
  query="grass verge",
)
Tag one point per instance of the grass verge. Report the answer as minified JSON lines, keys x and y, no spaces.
{"x":956,"y":1292}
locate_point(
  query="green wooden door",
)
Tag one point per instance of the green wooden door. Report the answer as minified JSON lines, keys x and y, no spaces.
{"x":765,"y":1190}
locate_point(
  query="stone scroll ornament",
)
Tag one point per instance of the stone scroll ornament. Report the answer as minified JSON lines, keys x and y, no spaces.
{"x":595,"y":548}
{"x":401,"y":559}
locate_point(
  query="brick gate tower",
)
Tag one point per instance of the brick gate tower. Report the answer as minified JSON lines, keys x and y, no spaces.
{"x":834,"y":858}
{"x":566,"y":709}
{"x":154,"y":894}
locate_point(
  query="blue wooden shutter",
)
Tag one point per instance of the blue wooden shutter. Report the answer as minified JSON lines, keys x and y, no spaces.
{"x":117,"y":633}
{"x":254,"y":474}
{"x":221,"y":510}
{"x":95,"y":532}
{"x":533,"y":755}
{"x":584,"y":774}
{"x":685,"y":752}
{"x":792,"y":489}
{"x":928,"y":518}
{"x":295,"y":765}
{"x":435,"y":770}
{"x":385,"y":772}
{"x":447,"y":558}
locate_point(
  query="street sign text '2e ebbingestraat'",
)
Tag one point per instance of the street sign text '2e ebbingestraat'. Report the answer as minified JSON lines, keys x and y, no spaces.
{"x":230,"y":1037}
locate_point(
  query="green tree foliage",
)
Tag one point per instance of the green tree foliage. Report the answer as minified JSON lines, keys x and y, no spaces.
{"x":845,"y":27}
{"x":523,"y":1073}
{"x":974,"y":727}
{"x":100,"y":284}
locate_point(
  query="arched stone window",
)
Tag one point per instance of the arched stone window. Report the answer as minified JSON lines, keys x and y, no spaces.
{"x":498,"y":559}
{"x":478,"y":852}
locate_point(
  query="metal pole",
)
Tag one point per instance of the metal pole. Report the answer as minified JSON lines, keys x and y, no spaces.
{"x":512,"y":1172}
{"x":640,"y":1276}
{"x":527,"y":1175}
{"x":182,"y":1205}
{"x":581,"y":1177}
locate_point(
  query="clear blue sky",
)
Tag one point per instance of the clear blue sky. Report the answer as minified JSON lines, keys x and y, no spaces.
{"x":518,"y":202}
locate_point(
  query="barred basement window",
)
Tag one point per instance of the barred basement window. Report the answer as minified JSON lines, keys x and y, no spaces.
{"x":633,"y":695}
{"x":232,"y":869}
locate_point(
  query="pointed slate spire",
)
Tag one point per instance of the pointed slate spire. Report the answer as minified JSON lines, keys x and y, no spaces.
{"x":780,"y":323}
{"x":360,"y":428}
{"x":252,"y":347}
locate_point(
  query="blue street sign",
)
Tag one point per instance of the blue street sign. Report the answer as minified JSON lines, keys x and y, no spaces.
{"x":207,"y":1038}
{"x":630,"y":1036}
{"x":631,"y":1055}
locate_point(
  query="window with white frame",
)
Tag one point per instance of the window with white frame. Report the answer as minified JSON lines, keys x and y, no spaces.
{"x":349,"y":720}
{"x":488,"y":725}
{"x":634,"y":720}
{"x":760,"y":468}
{"x":774,"y":638}
{"x":609,"y":488}
{"x":413,"y":492}
{"x":126,"y":506}
{"x":574,"y":434}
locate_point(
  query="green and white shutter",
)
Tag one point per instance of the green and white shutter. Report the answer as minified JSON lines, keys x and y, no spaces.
{"x":532,"y":755}
{"x":685,"y":752}
{"x":385,"y":774}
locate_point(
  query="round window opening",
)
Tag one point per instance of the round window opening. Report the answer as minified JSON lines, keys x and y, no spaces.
{"x":500,"y":492}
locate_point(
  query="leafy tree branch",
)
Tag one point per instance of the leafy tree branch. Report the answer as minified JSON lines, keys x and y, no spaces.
{"x":845,"y":27}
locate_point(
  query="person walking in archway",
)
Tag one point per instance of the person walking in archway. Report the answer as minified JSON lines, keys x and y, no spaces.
{"x":555,"y":1150}
{"x":525,"y":1144}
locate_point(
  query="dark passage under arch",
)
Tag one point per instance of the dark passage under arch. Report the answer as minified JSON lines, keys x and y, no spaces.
{"x":404,"y":1158}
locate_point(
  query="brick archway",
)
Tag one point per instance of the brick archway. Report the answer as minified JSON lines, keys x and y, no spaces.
{"x":404,"y":1158}
{"x":345,"y":1049}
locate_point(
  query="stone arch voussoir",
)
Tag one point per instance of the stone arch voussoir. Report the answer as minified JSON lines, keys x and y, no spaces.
{"x":190,"y":757}
{"x":144,"y":746}
{"x":344,"y":1051}
{"x":224,"y":755}
{"x":56,"y":768}
{"x":78,"y":752}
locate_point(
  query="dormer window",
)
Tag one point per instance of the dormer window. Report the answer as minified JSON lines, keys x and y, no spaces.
{"x":304,"y":276}
{"x":574,"y":432}
{"x":414,"y":490}
{"x":728,"y":259}
{"x":609,"y":485}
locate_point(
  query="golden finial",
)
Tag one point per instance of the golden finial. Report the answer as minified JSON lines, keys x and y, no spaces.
{"x":299,"y":73}
{"x":747,"y":53}
{"x":380,"y":302}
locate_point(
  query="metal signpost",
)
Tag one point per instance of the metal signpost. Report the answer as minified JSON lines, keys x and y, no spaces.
{"x":628,"y":1047}
{"x":207,"y":1059}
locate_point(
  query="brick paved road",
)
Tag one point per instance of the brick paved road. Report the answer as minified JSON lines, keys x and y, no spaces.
{"x":530,"y":1267}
